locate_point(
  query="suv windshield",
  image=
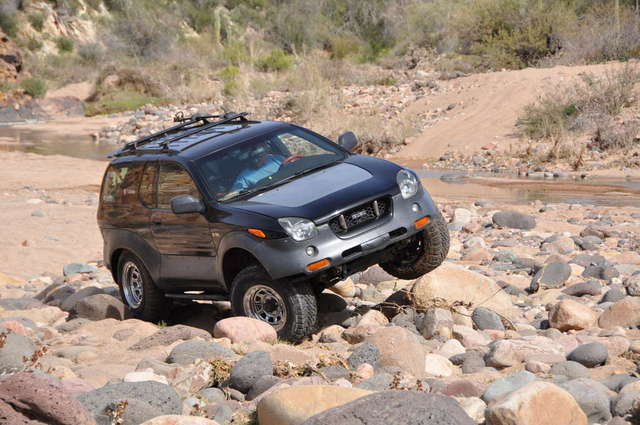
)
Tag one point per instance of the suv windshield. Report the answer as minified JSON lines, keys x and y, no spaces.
{"x":265,"y":162}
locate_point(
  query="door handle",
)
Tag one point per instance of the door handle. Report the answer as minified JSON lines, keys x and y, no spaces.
{"x":156,"y":223}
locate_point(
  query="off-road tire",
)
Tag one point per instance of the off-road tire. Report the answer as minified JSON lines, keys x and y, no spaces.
{"x":432,"y":252}
{"x":155,"y":306}
{"x":299,"y":299}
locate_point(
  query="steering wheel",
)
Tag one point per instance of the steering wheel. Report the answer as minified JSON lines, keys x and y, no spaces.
{"x":292,"y":158}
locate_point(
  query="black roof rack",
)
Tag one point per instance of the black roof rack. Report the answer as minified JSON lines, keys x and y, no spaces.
{"x":188,"y":126}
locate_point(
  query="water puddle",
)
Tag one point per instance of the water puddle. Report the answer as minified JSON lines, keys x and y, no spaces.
{"x":442,"y":184}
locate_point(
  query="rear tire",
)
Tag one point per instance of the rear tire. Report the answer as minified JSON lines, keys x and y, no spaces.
{"x":426,"y":252}
{"x":291,"y":309}
{"x":138,"y":291}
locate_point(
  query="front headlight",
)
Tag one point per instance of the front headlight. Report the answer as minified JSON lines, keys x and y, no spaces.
{"x":408,"y":183}
{"x":300,"y":229}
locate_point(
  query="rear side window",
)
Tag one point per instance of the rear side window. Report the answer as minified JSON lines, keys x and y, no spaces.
{"x":174,"y":180}
{"x":121,"y":184}
{"x":148,"y":194}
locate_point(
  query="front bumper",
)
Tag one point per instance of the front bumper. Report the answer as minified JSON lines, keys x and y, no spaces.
{"x":286,"y":258}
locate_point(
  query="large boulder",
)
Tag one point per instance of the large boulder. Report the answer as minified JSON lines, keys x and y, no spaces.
{"x":36,"y":398}
{"x":537,"y":403}
{"x":69,"y":303}
{"x":100,"y":307}
{"x":514,"y":220}
{"x":625,"y":313}
{"x":150,"y":399}
{"x":294,"y":405}
{"x":592,"y":397}
{"x":15,"y":348}
{"x":571,"y":315}
{"x":395,"y":407}
{"x":454,"y":283}
{"x":245,"y":329}
{"x":399,"y":347}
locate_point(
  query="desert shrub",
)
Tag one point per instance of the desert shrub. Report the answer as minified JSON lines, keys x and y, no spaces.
{"x":229,"y":76}
{"x":36,"y":20}
{"x":276,"y":60}
{"x":342,"y":47}
{"x":235,"y":53}
{"x":64,"y":44}
{"x":591,"y":104}
{"x":91,"y":53}
{"x":33,"y":44}
{"x":34,"y":86}
{"x":8,"y":23}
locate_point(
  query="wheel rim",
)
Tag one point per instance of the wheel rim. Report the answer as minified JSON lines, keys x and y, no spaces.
{"x":264,"y":303}
{"x":132,"y":285}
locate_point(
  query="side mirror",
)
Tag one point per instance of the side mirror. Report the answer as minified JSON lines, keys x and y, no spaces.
{"x":348,"y":141}
{"x":186,"y":204}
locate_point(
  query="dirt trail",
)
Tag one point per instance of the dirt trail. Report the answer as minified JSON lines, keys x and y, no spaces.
{"x":486,"y":108}
{"x":47,"y":212}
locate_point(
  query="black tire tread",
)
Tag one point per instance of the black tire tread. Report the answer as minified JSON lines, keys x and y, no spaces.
{"x":301,"y":297}
{"x":436,"y":238}
{"x":154,"y":305}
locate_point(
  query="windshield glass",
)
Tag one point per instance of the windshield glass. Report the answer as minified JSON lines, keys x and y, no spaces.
{"x":266,"y":162}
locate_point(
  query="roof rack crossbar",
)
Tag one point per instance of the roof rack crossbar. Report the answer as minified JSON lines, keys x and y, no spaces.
{"x":226,"y":119}
{"x":185,"y":123}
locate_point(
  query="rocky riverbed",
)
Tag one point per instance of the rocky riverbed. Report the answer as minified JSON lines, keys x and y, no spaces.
{"x":533,"y":319}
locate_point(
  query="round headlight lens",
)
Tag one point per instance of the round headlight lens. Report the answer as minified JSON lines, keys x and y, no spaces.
{"x":408,"y":183}
{"x":300,"y":229}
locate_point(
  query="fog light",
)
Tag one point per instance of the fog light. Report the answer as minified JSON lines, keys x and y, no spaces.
{"x":415,"y":207}
{"x":311,"y":251}
{"x":318,"y":265}
{"x":422,"y":221}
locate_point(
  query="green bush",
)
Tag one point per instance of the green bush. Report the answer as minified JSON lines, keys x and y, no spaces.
{"x":36,"y":20}
{"x":120,"y":101}
{"x":91,"y":53}
{"x":64,"y":44}
{"x":276,"y":60}
{"x":235,"y":53}
{"x":342,"y":47}
{"x":229,"y":76}
{"x":34,"y":44}
{"x":34,"y":86}
{"x":8,"y":24}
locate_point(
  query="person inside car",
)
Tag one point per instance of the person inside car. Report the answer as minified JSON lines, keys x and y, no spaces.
{"x":263,"y":163}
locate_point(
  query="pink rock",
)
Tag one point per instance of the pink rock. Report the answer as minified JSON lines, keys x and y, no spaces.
{"x":75,"y":386}
{"x":179,"y":420}
{"x":244,"y":329}
{"x":15,"y":326}
{"x":571,"y":315}
{"x":364,"y":371}
{"x":359,"y":333}
{"x":625,"y":313}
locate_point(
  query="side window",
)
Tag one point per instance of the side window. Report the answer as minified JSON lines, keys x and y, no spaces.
{"x":112,"y":185}
{"x":173,"y":180}
{"x":148,"y":195}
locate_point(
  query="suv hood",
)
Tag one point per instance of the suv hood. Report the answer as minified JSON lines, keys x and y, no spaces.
{"x":326,"y":191}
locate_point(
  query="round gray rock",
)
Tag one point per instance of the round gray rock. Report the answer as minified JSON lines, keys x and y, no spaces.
{"x":379,"y":382}
{"x":514,"y":220}
{"x":100,"y":307}
{"x":70,"y":302}
{"x":572,"y":370}
{"x":508,"y":384}
{"x":590,"y":355}
{"x":188,"y":352}
{"x":365,"y":353}
{"x":552,"y":275}
{"x":246,"y":372}
{"x":613,"y":295}
{"x":592,"y":398}
{"x":484,"y":318}
{"x":395,"y":407}
{"x":157,"y":399}
{"x":15,"y":348}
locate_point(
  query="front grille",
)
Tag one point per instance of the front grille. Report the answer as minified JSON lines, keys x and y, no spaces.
{"x":360,"y":216}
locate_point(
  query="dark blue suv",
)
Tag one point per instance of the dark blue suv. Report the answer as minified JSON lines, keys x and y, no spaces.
{"x":266,"y":214}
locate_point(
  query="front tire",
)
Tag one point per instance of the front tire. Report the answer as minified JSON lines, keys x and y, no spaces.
{"x":138,"y":291}
{"x":291,"y":309}
{"x":425,"y":252}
